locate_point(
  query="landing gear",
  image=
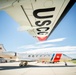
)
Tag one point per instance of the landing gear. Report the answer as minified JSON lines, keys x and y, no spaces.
{"x":65,"y":64}
{"x":23,"y":64}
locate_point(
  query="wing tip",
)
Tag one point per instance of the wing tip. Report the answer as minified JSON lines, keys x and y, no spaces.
{"x":42,"y":38}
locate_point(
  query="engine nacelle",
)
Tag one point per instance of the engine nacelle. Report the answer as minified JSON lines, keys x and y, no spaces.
{"x":10,"y":55}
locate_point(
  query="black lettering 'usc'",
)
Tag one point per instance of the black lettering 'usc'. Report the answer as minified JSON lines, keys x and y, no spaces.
{"x":43,"y":22}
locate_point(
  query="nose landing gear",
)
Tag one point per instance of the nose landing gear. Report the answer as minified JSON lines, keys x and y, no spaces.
{"x":65,"y":64}
{"x":23,"y":63}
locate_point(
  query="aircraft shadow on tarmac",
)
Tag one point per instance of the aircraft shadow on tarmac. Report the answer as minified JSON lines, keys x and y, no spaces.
{"x":32,"y":66}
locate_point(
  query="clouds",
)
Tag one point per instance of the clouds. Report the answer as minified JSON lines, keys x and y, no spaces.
{"x":35,"y":46}
{"x":61,"y":49}
{"x":47,"y":47}
{"x":43,"y":44}
{"x":54,"y":40}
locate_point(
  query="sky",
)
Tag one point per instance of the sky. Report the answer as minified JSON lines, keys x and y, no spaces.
{"x":63,"y":38}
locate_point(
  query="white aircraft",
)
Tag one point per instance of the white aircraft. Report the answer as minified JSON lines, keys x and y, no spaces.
{"x":42,"y":57}
{"x":6,"y":56}
{"x":38,"y":17}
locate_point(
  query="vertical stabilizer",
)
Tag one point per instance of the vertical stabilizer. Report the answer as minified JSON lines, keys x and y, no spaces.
{"x":2,"y":49}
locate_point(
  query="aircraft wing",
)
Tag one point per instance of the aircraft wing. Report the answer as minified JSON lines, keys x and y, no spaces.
{"x":38,"y":17}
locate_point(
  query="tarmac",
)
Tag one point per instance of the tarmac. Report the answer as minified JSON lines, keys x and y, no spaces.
{"x":34,"y":68}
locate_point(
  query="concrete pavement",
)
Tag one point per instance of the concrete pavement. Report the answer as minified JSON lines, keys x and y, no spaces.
{"x":34,"y":68}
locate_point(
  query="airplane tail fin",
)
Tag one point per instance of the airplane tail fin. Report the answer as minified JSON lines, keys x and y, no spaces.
{"x":2,"y":49}
{"x":56,"y":57}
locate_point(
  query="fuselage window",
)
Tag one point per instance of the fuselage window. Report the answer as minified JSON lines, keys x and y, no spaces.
{"x":0,"y":48}
{"x":36,"y":55}
{"x":48,"y":55}
{"x":29,"y":55}
{"x":40,"y":55}
{"x":44,"y":55}
{"x":32,"y":55}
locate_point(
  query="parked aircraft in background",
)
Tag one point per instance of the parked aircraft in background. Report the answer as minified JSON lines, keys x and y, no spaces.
{"x":6,"y":56}
{"x":2,"y":49}
{"x":42,"y":57}
{"x":38,"y":17}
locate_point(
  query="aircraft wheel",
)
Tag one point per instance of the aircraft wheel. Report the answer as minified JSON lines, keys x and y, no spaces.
{"x":25,"y":63}
{"x":65,"y":64}
{"x":21,"y":64}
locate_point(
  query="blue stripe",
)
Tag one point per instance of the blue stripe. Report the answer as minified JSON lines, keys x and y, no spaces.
{"x":52,"y":57}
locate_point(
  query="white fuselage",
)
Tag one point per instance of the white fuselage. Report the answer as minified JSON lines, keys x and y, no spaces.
{"x":40,"y":57}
